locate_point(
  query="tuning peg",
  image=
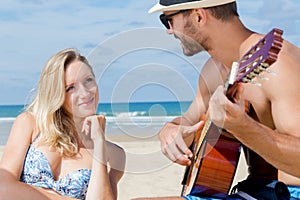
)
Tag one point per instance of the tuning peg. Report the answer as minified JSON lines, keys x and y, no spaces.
{"x":252,"y":75}
{"x":264,"y":65}
{"x":271,"y":72}
{"x":246,"y":80}
{"x":259,"y":70}
{"x":255,"y":83}
{"x":263,"y":77}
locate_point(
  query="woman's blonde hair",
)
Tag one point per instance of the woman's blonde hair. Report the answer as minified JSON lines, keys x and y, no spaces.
{"x":56,"y":125}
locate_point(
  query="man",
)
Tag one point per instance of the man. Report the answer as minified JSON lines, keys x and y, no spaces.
{"x":214,"y":26}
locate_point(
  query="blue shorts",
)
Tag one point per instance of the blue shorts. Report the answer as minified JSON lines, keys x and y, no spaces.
{"x":190,"y":197}
{"x":294,"y":191}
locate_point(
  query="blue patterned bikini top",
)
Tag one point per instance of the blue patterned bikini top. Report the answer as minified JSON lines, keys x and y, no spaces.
{"x":37,"y":172}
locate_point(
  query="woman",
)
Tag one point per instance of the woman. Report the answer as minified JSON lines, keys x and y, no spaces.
{"x":57,"y":148}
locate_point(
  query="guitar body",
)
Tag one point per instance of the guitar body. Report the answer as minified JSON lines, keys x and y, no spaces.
{"x":214,"y":169}
{"x":216,"y":152}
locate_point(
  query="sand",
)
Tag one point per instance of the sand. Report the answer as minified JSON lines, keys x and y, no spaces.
{"x":164,"y":181}
{"x":149,"y":174}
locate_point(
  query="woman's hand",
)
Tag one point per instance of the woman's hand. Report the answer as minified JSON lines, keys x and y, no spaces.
{"x":95,"y":126}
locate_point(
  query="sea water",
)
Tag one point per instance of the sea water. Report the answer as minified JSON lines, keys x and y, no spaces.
{"x":138,"y":117}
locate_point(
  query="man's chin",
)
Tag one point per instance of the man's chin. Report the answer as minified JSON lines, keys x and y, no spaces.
{"x":188,"y":53}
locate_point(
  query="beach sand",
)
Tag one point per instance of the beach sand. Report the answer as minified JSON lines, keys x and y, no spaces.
{"x":148,"y":173}
{"x":159,"y":181}
{"x":163,"y":181}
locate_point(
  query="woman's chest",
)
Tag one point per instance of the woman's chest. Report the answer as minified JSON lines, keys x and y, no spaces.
{"x":61,"y":166}
{"x":52,"y":173}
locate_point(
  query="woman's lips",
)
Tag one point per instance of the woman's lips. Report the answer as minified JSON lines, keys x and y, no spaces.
{"x":86,"y":103}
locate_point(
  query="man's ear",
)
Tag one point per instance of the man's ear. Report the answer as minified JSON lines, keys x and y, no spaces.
{"x":201,"y":16}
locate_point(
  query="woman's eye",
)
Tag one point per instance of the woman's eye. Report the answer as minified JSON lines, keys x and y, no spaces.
{"x":70,"y":88}
{"x":89,"y":80}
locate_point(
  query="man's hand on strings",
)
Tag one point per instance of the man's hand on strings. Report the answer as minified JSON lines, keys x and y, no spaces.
{"x":226,"y":114}
{"x":172,"y":142}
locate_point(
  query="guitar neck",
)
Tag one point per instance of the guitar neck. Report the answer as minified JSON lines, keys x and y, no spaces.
{"x":231,"y":83}
{"x":200,"y":136}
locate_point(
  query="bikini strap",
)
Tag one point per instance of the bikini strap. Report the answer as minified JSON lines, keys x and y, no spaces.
{"x":35,"y":138}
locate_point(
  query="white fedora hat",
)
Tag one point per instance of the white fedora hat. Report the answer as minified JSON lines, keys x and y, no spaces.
{"x":166,"y":5}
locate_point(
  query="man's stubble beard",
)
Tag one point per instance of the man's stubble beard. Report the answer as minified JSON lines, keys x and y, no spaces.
{"x":189,"y":45}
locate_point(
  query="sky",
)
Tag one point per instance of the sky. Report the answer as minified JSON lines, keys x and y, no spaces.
{"x":133,"y":57}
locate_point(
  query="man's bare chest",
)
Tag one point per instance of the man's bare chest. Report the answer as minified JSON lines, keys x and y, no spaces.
{"x":261,"y":108}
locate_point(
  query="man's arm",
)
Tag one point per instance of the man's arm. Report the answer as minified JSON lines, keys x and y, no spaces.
{"x":176,"y":136}
{"x":282,"y":145}
{"x":277,"y":137}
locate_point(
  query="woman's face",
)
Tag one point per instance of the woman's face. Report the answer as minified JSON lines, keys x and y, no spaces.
{"x":81,"y":91}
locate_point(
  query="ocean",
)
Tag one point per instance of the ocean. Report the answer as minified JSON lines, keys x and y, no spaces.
{"x":138,"y":120}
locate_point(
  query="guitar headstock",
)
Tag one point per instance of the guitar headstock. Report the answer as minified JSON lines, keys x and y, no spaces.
{"x":260,"y":56}
{"x":258,"y":59}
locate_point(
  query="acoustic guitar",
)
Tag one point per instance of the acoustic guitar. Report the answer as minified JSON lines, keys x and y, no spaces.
{"x":216,"y":152}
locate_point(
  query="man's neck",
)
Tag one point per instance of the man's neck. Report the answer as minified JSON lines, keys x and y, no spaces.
{"x":227,"y":39}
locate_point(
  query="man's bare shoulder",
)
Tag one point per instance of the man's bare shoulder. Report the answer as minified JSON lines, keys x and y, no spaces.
{"x":287,"y":65}
{"x":213,"y":74}
{"x":212,"y":65}
{"x":291,"y":52}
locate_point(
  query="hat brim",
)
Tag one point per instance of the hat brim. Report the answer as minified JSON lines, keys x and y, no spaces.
{"x":189,"y":5}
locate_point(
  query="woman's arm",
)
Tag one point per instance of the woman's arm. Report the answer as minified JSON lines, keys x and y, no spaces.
{"x":116,"y":159}
{"x":99,"y":185}
{"x":11,"y":164}
{"x":10,"y":188}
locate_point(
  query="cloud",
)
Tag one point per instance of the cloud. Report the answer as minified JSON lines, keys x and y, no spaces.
{"x":264,"y":15}
{"x":33,"y":30}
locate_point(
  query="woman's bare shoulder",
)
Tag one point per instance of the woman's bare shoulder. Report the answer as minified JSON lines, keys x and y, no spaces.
{"x":25,"y":116}
{"x":25,"y":123}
